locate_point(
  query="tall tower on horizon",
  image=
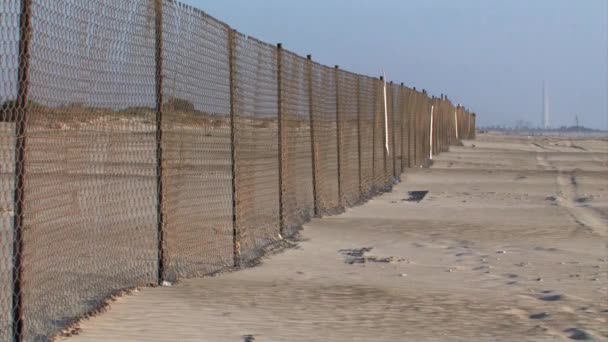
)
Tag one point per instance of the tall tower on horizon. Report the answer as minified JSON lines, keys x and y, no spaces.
{"x":545,"y":117}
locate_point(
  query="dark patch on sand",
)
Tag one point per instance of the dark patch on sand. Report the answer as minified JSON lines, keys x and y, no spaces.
{"x":552,"y":298}
{"x":541,"y":315}
{"x":577,"y":334}
{"x":416,"y":196}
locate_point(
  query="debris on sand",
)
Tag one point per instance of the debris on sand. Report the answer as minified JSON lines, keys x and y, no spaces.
{"x":357,"y":256}
{"x":578,"y":334}
{"x":416,"y":196}
{"x":551,"y":298}
{"x":541,"y":315}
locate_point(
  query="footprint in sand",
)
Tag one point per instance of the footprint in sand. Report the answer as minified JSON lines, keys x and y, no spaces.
{"x":541,"y":315}
{"x":577,"y":334}
{"x":552,"y":298}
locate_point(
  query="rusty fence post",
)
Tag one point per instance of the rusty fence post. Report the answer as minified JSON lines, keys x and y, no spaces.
{"x":236,"y":234}
{"x":374,"y":109}
{"x":402,"y":109}
{"x":384,"y":131}
{"x":413,"y":130}
{"x":338,"y":135}
{"x":281,"y":136}
{"x":359,"y":135}
{"x":392,"y":122}
{"x":158,"y":10}
{"x":313,"y":146}
{"x":20,"y":117}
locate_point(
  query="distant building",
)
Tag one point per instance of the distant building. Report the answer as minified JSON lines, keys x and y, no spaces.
{"x":545,"y":117}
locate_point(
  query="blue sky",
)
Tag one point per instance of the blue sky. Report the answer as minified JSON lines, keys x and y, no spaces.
{"x":491,"y":55}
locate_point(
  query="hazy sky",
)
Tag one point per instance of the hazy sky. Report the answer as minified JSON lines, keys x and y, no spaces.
{"x":491,"y":55}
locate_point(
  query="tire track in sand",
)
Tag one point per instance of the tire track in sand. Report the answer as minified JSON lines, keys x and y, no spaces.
{"x":568,"y":197}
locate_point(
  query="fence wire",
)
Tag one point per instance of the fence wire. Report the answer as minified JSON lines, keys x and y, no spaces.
{"x":256,"y":146}
{"x":197,"y":172}
{"x":298,"y":196}
{"x":144,"y":141}
{"x":390,"y":135}
{"x":367,"y":114}
{"x":90,"y":226}
{"x":325,"y":132}
{"x":406,"y":127}
{"x":9,"y":87}
{"x":398,"y":103}
{"x":413,"y":127}
{"x":348,"y":110}
{"x":379,"y":145}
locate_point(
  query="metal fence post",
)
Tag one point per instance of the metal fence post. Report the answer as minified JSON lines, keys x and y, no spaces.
{"x":412,"y":128}
{"x":359,"y":134}
{"x":395,"y":174}
{"x":401,"y":123}
{"x":374,"y":109}
{"x":20,"y":117}
{"x":236,"y":234}
{"x":403,"y":94}
{"x":338,"y":137}
{"x":384,"y":132}
{"x":281,"y":137}
{"x":474,"y":126}
{"x":313,"y":148}
{"x":158,"y":10}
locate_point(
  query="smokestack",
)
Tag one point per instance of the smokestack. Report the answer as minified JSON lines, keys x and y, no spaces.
{"x":545,"y":118}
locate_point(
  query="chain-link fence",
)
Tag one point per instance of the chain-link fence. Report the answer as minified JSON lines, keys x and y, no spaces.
{"x":143,"y":141}
{"x":296,"y":143}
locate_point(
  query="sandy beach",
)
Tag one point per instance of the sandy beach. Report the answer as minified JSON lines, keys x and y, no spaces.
{"x":509,"y":244}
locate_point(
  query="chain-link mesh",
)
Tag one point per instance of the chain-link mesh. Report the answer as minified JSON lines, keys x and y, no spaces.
{"x":390,"y":156}
{"x":406,"y":137}
{"x":149,"y":142}
{"x":366,"y":137}
{"x":423,"y":141}
{"x":437,"y":122}
{"x":256,"y":145}
{"x":380,"y":152}
{"x":7,"y":155}
{"x":414,"y":128}
{"x":397,"y":128}
{"x":425,"y":117}
{"x":9,"y":73}
{"x":298,"y":198}
{"x":417,"y":128}
{"x":349,"y":141}
{"x":441,"y":126}
{"x":325,"y":138}
{"x":90,"y":226}
{"x":461,"y":130}
{"x":197,"y":171}
{"x":420,"y":130}
{"x":472,"y":126}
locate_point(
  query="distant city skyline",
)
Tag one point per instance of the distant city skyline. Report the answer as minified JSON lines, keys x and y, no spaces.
{"x":489,"y":55}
